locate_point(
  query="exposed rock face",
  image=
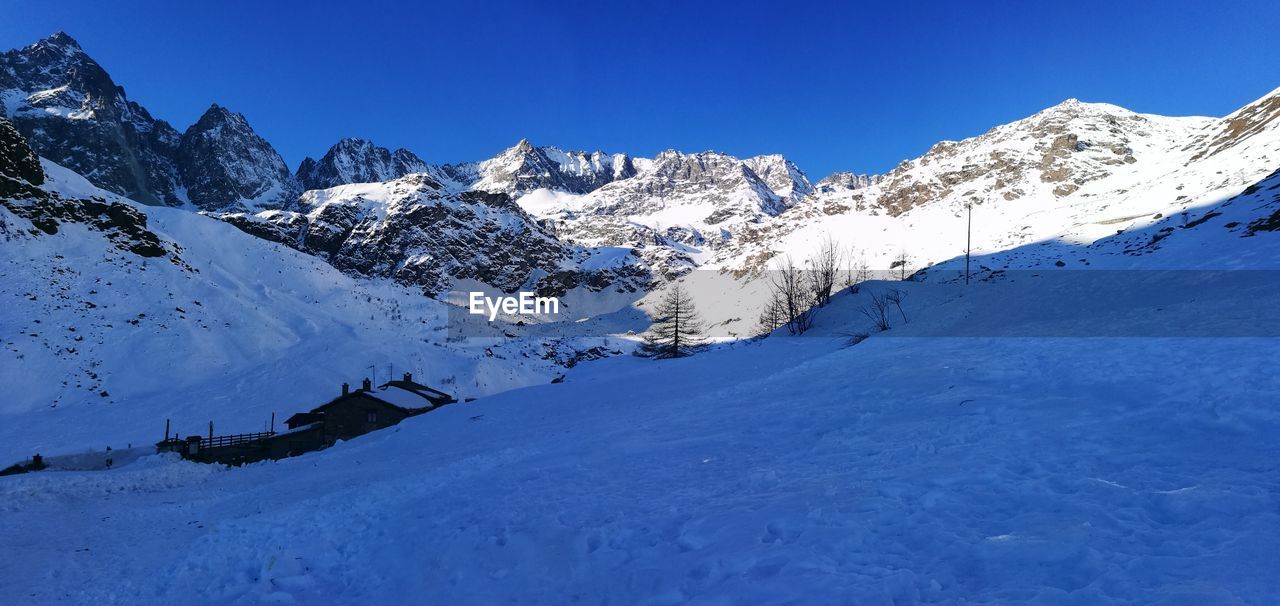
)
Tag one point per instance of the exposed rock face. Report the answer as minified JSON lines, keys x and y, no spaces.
{"x":225,"y":165}
{"x":720,"y":186}
{"x":1049,"y":155}
{"x":71,"y":112}
{"x":417,"y":231}
{"x":358,"y":161}
{"x":845,"y":182}
{"x":1257,"y":119}
{"x":781,"y":175}
{"x":525,"y":168}
{"x":678,"y":204}
{"x":20,"y":172}
{"x":21,"y":176}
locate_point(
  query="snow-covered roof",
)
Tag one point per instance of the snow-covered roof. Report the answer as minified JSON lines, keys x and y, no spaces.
{"x":402,"y":397}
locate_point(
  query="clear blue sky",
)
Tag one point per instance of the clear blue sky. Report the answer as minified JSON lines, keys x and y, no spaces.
{"x":833,"y":86}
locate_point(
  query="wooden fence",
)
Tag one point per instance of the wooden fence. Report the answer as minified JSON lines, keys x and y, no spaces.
{"x":234,"y":439}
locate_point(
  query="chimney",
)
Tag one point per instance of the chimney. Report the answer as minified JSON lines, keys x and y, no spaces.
{"x":366,"y":385}
{"x":408,"y":377}
{"x":346,"y":389}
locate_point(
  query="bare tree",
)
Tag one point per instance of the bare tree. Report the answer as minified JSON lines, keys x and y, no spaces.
{"x":677,"y":328}
{"x":877,"y":310}
{"x":901,"y":263}
{"x":794,"y":292}
{"x":826,"y":265}
{"x":894,"y":296}
{"x":859,"y":271}
{"x":847,"y":276}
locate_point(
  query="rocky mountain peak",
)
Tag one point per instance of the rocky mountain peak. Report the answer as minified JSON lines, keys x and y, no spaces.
{"x":523,"y":168}
{"x":846,"y":181}
{"x":226,"y":165}
{"x":61,"y":38}
{"x":781,"y":175}
{"x":71,"y":112}
{"x":217,"y":116}
{"x":353,"y":160}
{"x":1051,"y":154}
{"x":55,"y":48}
{"x":697,"y":190}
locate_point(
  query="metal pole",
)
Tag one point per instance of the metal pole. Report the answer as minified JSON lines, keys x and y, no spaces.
{"x":211,"y":432}
{"x":166,"y":430}
{"x":968,"y":243}
{"x":273,"y":422}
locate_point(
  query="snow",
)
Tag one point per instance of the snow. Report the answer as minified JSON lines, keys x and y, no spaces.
{"x":403,"y":398}
{"x":67,"y":183}
{"x":1048,"y":470}
{"x":543,"y":202}
{"x":1090,"y":421}
{"x":103,"y":346}
{"x":45,"y":103}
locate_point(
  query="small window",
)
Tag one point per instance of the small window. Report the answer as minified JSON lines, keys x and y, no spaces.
{"x":373,"y":417}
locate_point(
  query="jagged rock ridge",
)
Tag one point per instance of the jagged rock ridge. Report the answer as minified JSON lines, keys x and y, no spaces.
{"x":73,"y":113}
{"x":358,"y":161}
{"x":225,"y":164}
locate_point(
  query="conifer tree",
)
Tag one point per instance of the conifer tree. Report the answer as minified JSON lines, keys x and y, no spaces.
{"x":677,"y":328}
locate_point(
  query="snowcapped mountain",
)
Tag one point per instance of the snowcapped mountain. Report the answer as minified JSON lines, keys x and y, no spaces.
{"x":980,"y":469}
{"x":1070,"y":166}
{"x":561,"y":221}
{"x":676,"y":209}
{"x":225,"y":165}
{"x":110,"y":294}
{"x":782,"y":176}
{"x":419,"y":232}
{"x":694,"y":199}
{"x":357,"y":161}
{"x":704,"y":189}
{"x":845,"y":182}
{"x":1047,"y":156}
{"x":524,"y":168}
{"x":71,"y":112}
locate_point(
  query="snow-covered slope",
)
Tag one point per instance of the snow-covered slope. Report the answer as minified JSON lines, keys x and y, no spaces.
{"x":1007,"y":452}
{"x":902,"y":470}
{"x":142,"y":314}
{"x":1074,"y":173}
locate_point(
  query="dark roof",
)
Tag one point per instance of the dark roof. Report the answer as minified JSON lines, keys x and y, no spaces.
{"x":359,"y":393}
{"x":302,"y":417}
